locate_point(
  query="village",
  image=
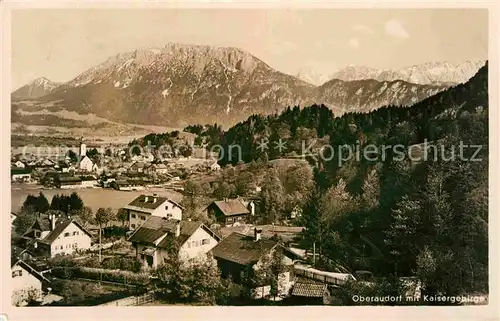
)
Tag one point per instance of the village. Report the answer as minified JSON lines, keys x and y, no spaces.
{"x":63,"y":251}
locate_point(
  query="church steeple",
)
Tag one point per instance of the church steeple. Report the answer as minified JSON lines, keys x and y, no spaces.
{"x":83,"y":148}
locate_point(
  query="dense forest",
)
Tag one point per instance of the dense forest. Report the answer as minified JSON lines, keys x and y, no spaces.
{"x":391,"y":215}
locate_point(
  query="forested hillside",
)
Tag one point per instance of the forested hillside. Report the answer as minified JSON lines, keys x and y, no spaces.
{"x":384,"y":213}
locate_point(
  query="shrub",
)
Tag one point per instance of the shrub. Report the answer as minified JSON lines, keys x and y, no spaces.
{"x":118,"y":276}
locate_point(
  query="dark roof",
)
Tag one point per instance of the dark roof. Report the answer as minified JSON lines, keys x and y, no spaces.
{"x":311,"y":290}
{"x":139,"y":164}
{"x":155,"y":227}
{"x":242,"y":249}
{"x":69,"y":179}
{"x":187,"y":229}
{"x":18,"y":171}
{"x":42,"y":223}
{"x":140,"y":201}
{"x":30,"y":269}
{"x":231,"y":207}
{"x":158,"y":166}
{"x":61,"y":225}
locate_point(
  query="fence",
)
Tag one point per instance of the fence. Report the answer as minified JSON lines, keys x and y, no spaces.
{"x":132,"y":300}
{"x":322,"y":276}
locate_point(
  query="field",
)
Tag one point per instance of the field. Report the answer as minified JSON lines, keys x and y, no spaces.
{"x":92,"y":197}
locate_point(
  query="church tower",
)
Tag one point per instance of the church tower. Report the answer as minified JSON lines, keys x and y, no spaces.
{"x":83,"y":148}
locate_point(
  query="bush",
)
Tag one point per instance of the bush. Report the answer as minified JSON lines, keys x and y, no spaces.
{"x":118,"y":276}
{"x":122,"y":263}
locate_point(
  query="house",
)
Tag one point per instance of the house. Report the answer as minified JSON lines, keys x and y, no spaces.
{"x":157,"y":169}
{"x":238,"y":255}
{"x":69,"y":182}
{"x":214,"y":166}
{"x":19,"y":164}
{"x":44,"y":162}
{"x":152,"y":240}
{"x":126,"y":185}
{"x":50,"y":235}
{"x":306,"y":292}
{"x":144,"y":206}
{"x":229,"y":212}
{"x":85,"y":164}
{"x":20,"y":174}
{"x":89,"y":181}
{"x":27,"y":283}
{"x":137,"y":167}
{"x":106,"y":181}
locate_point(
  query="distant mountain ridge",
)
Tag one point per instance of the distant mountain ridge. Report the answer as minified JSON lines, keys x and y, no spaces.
{"x":37,"y":88}
{"x":432,"y":73}
{"x":183,"y":84}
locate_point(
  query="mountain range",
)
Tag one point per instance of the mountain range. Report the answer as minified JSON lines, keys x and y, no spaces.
{"x":37,"y":88}
{"x":181,"y":84}
{"x":432,"y":73}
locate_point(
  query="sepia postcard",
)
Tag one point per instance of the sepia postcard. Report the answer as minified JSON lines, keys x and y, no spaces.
{"x":315,"y":159}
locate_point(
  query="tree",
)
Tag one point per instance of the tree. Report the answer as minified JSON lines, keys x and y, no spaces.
{"x":74,"y":202}
{"x":85,"y":214}
{"x":102,"y":217}
{"x":224,"y":190}
{"x":72,"y":155}
{"x":270,"y":271}
{"x":371,"y":190}
{"x":39,"y":203}
{"x":122,"y":215}
{"x":195,"y":282}
{"x":93,"y":154}
{"x":24,"y":220}
{"x":272,"y":198}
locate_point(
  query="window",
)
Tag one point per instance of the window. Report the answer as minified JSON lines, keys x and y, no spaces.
{"x":132,"y":225}
{"x":205,"y":241}
{"x":143,"y":218}
{"x":66,"y":234}
{"x":189,"y":245}
{"x":37,"y":233}
{"x":76,"y":233}
{"x":229,"y":219}
{"x":68,"y":246}
{"x":17,"y":273}
{"x":169,"y":215}
{"x":133,"y":215}
{"x":75,"y":245}
{"x":197,"y":243}
{"x":166,"y":208}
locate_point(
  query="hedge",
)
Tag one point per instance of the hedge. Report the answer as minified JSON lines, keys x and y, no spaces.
{"x":125,"y":277}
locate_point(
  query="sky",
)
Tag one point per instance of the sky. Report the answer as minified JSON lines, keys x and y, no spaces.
{"x":59,"y":44}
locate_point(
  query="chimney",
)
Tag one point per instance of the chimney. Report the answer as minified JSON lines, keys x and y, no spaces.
{"x":257,"y":234}
{"x":146,"y":199}
{"x":155,"y":197}
{"x":177,"y":228}
{"x":52,"y":222}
